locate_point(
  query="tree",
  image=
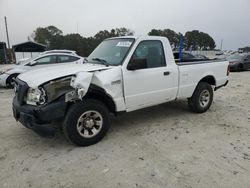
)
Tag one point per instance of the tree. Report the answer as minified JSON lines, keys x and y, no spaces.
{"x":45,"y":35}
{"x":245,"y":49}
{"x":41,"y":35}
{"x":199,"y":40}
{"x":122,"y":32}
{"x":53,"y":31}
{"x":102,"y":35}
{"x":118,"y":32}
{"x":172,"y":36}
{"x":56,"y":42}
{"x":74,"y":42}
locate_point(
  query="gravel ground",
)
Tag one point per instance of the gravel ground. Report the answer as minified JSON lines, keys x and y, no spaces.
{"x":162,"y":146}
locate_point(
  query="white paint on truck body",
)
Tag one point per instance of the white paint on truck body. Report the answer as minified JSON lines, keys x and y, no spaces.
{"x":147,"y":87}
{"x":189,"y":79}
{"x":132,"y":90}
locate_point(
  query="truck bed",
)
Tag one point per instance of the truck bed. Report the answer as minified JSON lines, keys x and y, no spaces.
{"x":181,"y":63}
{"x":190,"y":74}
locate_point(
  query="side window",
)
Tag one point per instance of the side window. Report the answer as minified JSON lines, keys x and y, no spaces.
{"x":46,"y":60}
{"x":66,"y":58}
{"x":151,"y":52}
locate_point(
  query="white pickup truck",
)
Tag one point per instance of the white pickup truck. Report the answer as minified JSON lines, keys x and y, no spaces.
{"x":121,"y":75}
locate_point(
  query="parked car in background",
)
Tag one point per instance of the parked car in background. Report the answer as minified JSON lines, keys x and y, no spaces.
{"x":60,"y":51}
{"x":239,"y":62}
{"x":23,"y":60}
{"x":49,"y":58}
{"x":201,"y":57}
{"x":219,"y":53}
{"x":187,"y":57}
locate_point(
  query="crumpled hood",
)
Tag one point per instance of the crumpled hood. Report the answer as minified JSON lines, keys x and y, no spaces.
{"x":35,"y":78}
{"x":7,"y":67}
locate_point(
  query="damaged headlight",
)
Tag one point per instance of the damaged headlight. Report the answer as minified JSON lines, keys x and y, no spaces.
{"x":57,"y":88}
{"x":35,"y":96}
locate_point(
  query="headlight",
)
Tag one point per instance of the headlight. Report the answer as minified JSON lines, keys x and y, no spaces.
{"x":57,"y":88}
{"x":35,"y":96}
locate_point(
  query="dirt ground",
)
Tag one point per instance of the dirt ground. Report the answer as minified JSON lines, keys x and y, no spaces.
{"x":162,"y":146}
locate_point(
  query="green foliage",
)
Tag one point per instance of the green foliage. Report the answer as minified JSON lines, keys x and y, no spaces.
{"x":118,"y":32}
{"x":74,"y":42}
{"x":199,"y":40}
{"x":45,"y":35}
{"x":53,"y":38}
{"x":172,"y":36}
{"x":245,"y":49}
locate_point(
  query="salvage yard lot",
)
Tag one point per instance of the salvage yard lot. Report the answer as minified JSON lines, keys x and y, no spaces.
{"x":162,"y":146}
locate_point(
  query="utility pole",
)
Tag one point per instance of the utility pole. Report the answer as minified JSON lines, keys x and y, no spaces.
{"x":221,"y":44}
{"x":6,"y":27}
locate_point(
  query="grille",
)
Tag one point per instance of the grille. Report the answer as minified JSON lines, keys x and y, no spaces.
{"x":21,"y":90}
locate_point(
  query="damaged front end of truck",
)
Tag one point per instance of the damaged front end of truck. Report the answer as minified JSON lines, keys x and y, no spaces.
{"x":37,"y":107}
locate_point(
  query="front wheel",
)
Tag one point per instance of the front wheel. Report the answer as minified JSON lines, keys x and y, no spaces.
{"x":202,"y":98}
{"x":86,"y":122}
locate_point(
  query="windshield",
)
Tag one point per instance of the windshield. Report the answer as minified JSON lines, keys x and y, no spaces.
{"x":235,"y":57}
{"x":111,"y":51}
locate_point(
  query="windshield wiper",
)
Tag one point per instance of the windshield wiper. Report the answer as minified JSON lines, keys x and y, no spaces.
{"x":102,"y":61}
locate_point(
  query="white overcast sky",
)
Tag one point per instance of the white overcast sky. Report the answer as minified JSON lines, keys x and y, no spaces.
{"x":222,"y":19}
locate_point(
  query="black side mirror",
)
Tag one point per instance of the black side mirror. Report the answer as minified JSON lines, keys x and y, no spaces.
{"x":136,"y":64}
{"x":246,"y":59}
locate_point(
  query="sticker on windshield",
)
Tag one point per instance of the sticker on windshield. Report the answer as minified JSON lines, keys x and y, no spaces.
{"x":124,"y":44}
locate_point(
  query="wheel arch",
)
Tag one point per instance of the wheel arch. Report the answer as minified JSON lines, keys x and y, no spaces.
{"x":208,"y":79}
{"x":10,"y":76}
{"x":98,"y":93}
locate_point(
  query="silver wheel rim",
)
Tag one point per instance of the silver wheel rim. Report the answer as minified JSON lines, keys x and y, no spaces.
{"x":89,"y":124}
{"x":204,"y":98}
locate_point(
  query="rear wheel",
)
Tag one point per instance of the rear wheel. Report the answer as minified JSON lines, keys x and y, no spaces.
{"x":10,"y":82}
{"x":86,"y":122}
{"x":202,"y":98}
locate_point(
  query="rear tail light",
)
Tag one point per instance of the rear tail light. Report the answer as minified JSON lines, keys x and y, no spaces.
{"x":228,"y":70}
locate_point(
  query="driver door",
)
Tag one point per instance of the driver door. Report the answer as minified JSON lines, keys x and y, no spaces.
{"x":153,"y":84}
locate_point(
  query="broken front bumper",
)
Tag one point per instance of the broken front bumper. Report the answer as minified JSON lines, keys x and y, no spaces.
{"x":38,"y":118}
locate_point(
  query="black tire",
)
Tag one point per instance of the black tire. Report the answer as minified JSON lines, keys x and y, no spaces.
{"x":9,"y":81}
{"x":197,"y":103}
{"x":240,"y":68}
{"x":71,"y":122}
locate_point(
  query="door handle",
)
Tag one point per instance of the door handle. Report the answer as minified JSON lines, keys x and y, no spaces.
{"x":166,"y":73}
